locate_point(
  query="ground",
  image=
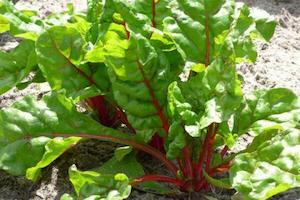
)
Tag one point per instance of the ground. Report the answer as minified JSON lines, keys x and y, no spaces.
{"x":278,"y":65}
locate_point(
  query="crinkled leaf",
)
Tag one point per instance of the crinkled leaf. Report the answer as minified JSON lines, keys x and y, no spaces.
{"x":104,"y":187}
{"x":222,"y":27}
{"x":269,"y":166}
{"x":214,"y":93}
{"x":28,"y":125}
{"x":176,"y":141}
{"x":60,"y":53}
{"x":140,"y":72}
{"x":16,"y":65}
{"x":181,"y":110}
{"x":267,"y":108}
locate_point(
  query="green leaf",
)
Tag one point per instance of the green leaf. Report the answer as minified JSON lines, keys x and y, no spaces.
{"x":176,"y":141}
{"x":106,"y":187}
{"x":4,"y":24}
{"x":267,"y":108}
{"x":265,"y":24}
{"x":216,"y":182}
{"x":96,"y":55}
{"x":214,"y":94}
{"x":29,"y":125}
{"x":222,"y":27}
{"x":16,"y":65}
{"x":269,"y":166}
{"x":53,"y":149}
{"x":127,"y":165}
{"x":60,"y":53}
{"x":93,"y":16}
{"x":187,"y":25}
{"x":121,"y":152}
{"x":141,"y":70}
{"x":23,"y":24}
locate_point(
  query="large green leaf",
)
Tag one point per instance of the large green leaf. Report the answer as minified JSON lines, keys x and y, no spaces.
{"x":29,"y":125}
{"x":267,"y":108}
{"x":221,"y":28}
{"x":16,"y":65}
{"x":140,"y":72}
{"x":61,"y":53}
{"x":269,"y":166}
{"x":97,"y":186}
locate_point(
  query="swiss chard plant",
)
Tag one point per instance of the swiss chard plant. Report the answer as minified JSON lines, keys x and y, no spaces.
{"x":164,"y":71}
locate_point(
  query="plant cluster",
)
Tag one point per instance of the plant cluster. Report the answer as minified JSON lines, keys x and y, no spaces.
{"x":166,"y":71}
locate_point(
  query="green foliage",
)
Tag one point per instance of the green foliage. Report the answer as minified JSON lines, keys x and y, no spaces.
{"x":92,"y":185}
{"x":164,"y":69}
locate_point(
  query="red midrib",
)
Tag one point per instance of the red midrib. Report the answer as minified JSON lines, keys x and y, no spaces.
{"x":160,"y":113}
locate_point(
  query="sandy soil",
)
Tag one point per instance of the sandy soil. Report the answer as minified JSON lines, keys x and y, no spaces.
{"x":278,"y":65}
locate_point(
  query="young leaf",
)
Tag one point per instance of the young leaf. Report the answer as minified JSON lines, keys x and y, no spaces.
{"x":214,"y":94}
{"x":269,"y":167}
{"x":90,"y":183}
{"x":53,"y":149}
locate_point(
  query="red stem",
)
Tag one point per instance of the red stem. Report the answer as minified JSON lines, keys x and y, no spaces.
{"x":181,"y":166}
{"x":142,"y":147}
{"x":153,"y":14}
{"x":188,"y":162}
{"x":224,"y":167}
{"x":198,"y":168}
{"x":224,"y":151}
{"x":158,"y":143}
{"x":157,"y":178}
{"x":98,"y":103}
{"x":126,"y":29}
{"x":210,"y":149}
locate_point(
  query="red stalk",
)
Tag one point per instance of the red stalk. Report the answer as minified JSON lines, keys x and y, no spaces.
{"x":198,"y":167}
{"x":158,"y":143}
{"x":153,"y":14}
{"x":224,"y":151}
{"x":157,"y":178}
{"x":210,"y":149}
{"x":142,"y":147}
{"x":188,"y":163}
{"x":98,"y":103}
{"x":181,"y":166}
{"x":222,"y":168}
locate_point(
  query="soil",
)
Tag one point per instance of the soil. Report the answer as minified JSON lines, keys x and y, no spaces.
{"x":278,"y":65}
